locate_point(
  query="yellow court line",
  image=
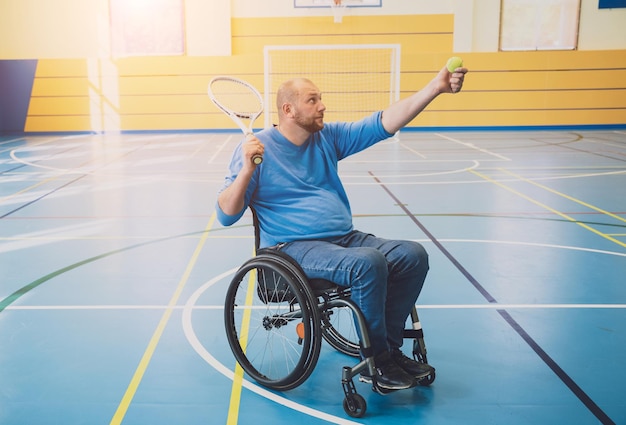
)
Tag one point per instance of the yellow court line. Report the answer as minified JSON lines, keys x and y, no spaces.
{"x":578,"y":201}
{"x":542,"y":205}
{"x":235,"y":394}
{"x":156,"y":336}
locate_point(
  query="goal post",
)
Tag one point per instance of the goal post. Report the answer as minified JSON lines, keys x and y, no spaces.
{"x":355,"y":79}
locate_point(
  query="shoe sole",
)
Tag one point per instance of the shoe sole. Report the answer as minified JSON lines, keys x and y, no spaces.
{"x":368,"y":380}
{"x":421,"y":375}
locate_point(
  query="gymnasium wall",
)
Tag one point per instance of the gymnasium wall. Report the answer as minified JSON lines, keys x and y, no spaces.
{"x":504,"y":89}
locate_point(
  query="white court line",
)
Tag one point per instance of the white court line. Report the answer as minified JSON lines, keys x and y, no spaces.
{"x":62,"y":171}
{"x":96,"y":170}
{"x":201,"y":350}
{"x":91,"y":170}
{"x":421,"y":306}
{"x":537,"y":244}
{"x":428,"y":306}
{"x":475,"y":164}
{"x":9,"y":141}
{"x":473,"y":146}
{"x":521,"y":306}
{"x":190,"y":306}
{"x":416,"y":152}
{"x":604,"y":142}
{"x":493,"y":306}
{"x":478,"y":181}
{"x":220,"y":148}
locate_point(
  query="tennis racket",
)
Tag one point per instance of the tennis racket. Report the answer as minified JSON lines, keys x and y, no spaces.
{"x":240,"y":101}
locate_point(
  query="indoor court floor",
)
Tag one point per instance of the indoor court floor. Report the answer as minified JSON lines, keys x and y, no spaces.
{"x":113,"y":271}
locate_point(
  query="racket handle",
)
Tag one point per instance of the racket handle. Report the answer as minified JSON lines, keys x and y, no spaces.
{"x":256,"y":159}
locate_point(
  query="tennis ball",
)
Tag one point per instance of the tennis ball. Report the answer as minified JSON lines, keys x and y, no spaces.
{"x":453,"y":63}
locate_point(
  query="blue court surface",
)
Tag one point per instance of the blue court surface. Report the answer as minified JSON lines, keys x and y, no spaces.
{"x":113,"y":271}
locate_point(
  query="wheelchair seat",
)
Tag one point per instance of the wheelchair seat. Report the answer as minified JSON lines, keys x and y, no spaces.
{"x":318,"y":286}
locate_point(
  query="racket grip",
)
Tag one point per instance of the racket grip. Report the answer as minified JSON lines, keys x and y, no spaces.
{"x":257,"y":159}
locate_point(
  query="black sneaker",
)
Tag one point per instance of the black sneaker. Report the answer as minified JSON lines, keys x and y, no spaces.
{"x":414,"y":368}
{"x":389,"y":376}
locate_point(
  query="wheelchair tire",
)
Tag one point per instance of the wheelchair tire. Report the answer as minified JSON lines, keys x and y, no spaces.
{"x":272,"y":323}
{"x":355,"y":405}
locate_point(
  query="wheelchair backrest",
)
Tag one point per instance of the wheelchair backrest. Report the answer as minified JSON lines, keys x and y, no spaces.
{"x":272,"y":286}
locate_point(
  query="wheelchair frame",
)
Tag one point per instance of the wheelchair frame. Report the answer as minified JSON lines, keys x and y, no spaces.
{"x":274,"y":317}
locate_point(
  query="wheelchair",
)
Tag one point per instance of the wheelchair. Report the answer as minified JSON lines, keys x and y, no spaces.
{"x":276,"y":319}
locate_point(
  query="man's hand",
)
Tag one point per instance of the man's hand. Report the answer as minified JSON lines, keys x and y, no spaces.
{"x":251,"y":147}
{"x":448,"y":82}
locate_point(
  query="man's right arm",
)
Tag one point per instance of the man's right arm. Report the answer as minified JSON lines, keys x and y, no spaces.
{"x":232,"y":200}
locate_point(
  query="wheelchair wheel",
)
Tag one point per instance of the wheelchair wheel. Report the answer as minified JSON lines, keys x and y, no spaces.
{"x":339,"y":330}
{"x":272,"y":323}
{"x":355,"y":405}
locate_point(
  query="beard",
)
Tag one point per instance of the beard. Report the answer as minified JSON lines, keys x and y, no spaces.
{"x":310,"y":124}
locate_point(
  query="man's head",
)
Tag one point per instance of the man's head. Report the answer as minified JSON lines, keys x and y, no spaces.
{"x":299,"y":102}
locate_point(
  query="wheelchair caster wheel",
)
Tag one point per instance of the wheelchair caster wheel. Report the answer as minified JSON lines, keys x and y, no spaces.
{"x":427,"y":380}
{"x":354,"y":405}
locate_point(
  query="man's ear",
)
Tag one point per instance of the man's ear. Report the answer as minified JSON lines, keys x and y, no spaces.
{"x":286,"y":108}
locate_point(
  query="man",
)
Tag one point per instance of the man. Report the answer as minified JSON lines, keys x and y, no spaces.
{"x":303,"y":209}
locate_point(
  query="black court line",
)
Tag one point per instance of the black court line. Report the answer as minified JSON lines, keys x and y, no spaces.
{"x":41,"y":197}
{"x":12,"y":169}
{"x":71,"y":181}
{"x":21,"y":164}
{"x":545,"y":357}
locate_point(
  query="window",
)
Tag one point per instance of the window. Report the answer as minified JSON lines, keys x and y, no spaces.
{"x":539,"y":24}
{"x":147,"y":27}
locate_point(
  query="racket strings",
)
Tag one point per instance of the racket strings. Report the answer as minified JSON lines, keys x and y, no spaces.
{"x":236,"y":97}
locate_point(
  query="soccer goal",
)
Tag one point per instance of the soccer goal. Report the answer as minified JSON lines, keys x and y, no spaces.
{"x":355,"y":79}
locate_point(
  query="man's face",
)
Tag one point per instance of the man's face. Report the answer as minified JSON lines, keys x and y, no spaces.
{"x":309,"y":109}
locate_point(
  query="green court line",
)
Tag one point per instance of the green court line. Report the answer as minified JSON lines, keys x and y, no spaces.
{"x":36,"y":283}
{"x":27,"y":288}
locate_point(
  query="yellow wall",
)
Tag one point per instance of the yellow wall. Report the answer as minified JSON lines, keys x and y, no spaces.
{"x":502,"y":89}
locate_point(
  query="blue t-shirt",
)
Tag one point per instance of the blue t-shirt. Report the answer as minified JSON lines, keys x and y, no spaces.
{"x":296,"y":190}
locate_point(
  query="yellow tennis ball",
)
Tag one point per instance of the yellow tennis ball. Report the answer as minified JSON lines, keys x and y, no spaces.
{"x":453,"y":63}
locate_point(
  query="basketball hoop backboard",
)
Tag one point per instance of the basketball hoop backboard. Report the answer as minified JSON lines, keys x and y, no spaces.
{"x":346,"y":3}
{"x":338,"y":7}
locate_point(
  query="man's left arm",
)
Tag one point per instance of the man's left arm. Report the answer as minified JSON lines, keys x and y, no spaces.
{"x":399,"y":114}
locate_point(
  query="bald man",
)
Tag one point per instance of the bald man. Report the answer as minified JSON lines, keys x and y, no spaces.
{"x":303,"y":211}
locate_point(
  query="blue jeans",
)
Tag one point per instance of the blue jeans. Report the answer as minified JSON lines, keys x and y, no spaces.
{"x":386,"y":277}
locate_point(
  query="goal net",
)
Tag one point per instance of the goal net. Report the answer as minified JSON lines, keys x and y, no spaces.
{"x":355,"y":79}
